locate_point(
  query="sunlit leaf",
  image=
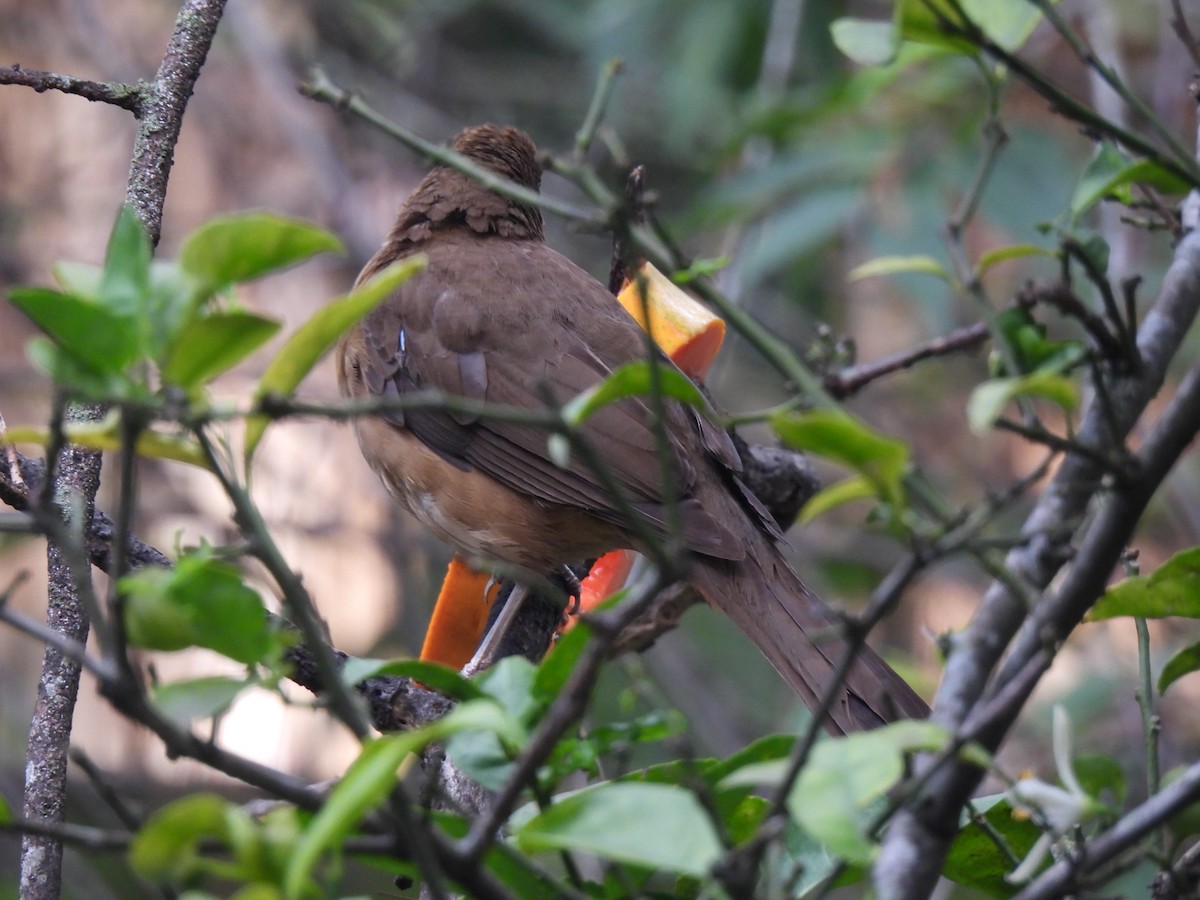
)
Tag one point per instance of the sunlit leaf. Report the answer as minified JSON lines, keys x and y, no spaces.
{"x":989,"y":399}
{"x":214,"y":343}
{"x":867,"y":42}
{"x":883,"y":461}
{"x":1014,"y":251}
{"x":167,"y":847}
{"x":1008,"y":24}
{"x":79,"y":278}
{"x":630,"y":380}
{"x":659,"y":826}
{"x":316,"y":337}
{"x":242,"y":247}
{"x":106,"y":435}
{"x":896,"y":265}
{"x":856,"y":487}
{"x":1173,"y":589}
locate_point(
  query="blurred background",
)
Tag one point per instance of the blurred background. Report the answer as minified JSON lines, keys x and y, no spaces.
{"x":762,"y":144}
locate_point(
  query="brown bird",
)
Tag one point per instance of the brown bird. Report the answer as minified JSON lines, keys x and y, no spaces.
{"x":498,"y":316}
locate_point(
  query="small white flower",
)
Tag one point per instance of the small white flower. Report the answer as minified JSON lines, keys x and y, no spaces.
{"x":1061,"y":808}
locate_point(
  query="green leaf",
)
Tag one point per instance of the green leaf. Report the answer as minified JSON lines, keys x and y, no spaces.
{"x":1014,"y":251}
{"x":167,"y":847}
{"x":65,"y":369}
{"x":1110,"y":172}
{"x":1172,"y":590}
{"x":974,"y":859}
{"x":1007,"y":23}
{"x":97,"y":338}
{"x":836,"y":435}
{"x":915,"y":20}
{"x":434,"y":676}
{"x":486,"y":756}
{"x":185,"y":702}
{"x":700,"y":268}
{"x":6,"y":813}
{"x":510,"y":683}
{"x":895,"y":265}
{"x":200,"y":602}
{"x":629,"y":380}
{"x":989,"y":399}
{"x":1097,"y":773}
{"x":125,"y":282}
{"x":844,"y":775}
{"x":78,"y":278}
{"x":658,"y":826}
{"x":518,"y":873}
{"x":246,"y":246}
{"x":316,"y":337}
{"x":856,"y":487}
{"x":1186,"y":822}
{"x":368,"y":782}
{"x":867,"y":42}
{"x":1182,"y":663}
{"x":106,"y":435}
{"x":212,"y":344}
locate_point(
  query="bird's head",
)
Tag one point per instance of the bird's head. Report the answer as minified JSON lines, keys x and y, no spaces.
{"x":503,"y":149}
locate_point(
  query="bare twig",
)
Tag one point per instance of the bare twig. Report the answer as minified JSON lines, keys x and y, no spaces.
{"x":126,"y":96}
{"x":847,"y":382}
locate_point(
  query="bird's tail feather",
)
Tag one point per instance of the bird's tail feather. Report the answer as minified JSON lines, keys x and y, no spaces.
{"x":802,"y":638}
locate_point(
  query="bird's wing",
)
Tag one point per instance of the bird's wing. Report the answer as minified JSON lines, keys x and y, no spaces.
{"x":453,"y":329}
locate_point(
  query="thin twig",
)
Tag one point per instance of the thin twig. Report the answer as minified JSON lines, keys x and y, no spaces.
{"x":319,"y":87}
{"x":126,"y":96}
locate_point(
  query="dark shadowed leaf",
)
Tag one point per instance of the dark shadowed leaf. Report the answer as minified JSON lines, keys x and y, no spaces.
{"x":975,"y":860}
{"x":1182,"y":663}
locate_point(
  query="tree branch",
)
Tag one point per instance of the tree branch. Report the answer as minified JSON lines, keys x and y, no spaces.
{"x":126,"y":96}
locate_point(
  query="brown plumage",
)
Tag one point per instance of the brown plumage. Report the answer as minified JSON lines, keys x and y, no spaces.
{"x":499,"y":316}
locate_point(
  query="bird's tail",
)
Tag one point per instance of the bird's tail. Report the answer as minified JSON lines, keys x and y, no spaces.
{"x":802,"y":638}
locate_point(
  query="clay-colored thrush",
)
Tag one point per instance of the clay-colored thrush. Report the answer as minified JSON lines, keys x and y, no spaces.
{"x":498,"y":316}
